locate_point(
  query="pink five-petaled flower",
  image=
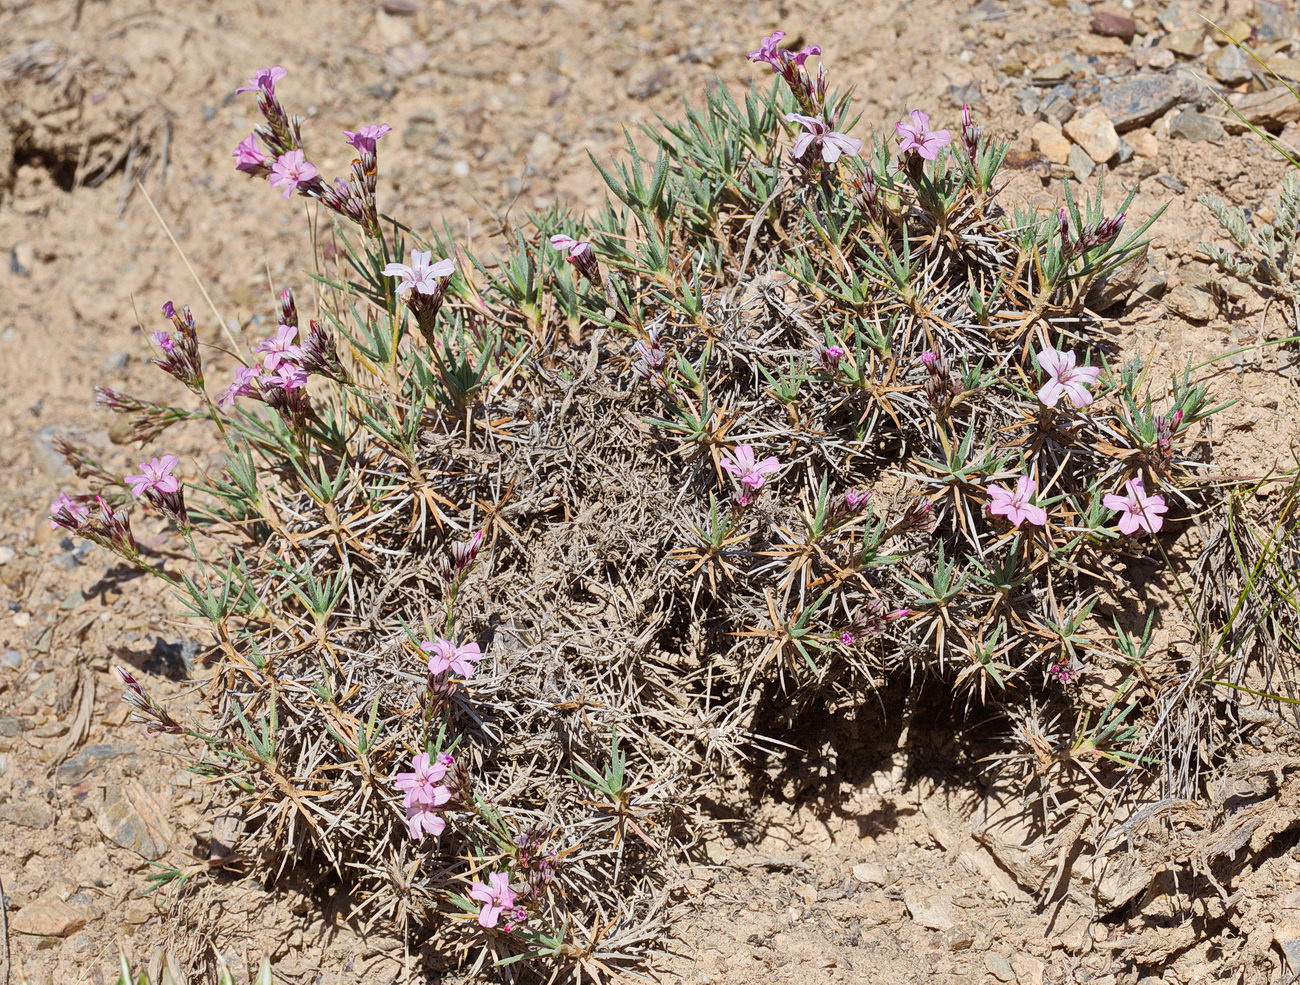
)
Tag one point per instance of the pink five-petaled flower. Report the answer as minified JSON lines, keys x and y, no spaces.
{"x":1138,"y":511}
{"x":420,"y":275}
{"x":819,"y":134}
{"x":279,"y":348}
{"x":446,"y":656}
{"x":495,"y":895}
{"x":248,"y":157}
{"x":291,"y":169}
{"x":918,"y":136}
{"x":264,"y":80}
{"x":287,"y":377}
{"x":155,"y":474}
{"x":751,"y":472}
{"x":245,"y":385}
{"x":421,"y":784}
{"x":424,"y":819}
{"x":1016,"y":506}
{"x":366,"y":137}
{"x":1065,"y":378}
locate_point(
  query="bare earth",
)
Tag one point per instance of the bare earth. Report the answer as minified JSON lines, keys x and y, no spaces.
{"x":495,"y":106}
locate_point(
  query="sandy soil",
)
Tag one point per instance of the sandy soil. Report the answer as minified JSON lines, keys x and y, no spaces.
{"x":118,"y":104}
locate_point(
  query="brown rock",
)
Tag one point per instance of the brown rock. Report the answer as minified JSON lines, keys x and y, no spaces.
{"x":930,"y":909}
{"x":1272,"y":108}
{"x":133,"y":819}
{"x":1192,"y":304}
{"x":1144,"y":143}
{"x":49,"y":918}
{"x":1112,"y":25}
{"x":1188,"y":42}
{"x":1094,"y":132}
{"x":1050,"y":142}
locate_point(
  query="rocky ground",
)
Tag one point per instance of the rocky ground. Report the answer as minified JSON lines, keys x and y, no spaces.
{"x":111,"y":111}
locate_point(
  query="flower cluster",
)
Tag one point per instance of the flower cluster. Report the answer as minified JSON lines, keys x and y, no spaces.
{"x":284,"y":163}
{"x":425,"y":794}
{"x":790,"y":65}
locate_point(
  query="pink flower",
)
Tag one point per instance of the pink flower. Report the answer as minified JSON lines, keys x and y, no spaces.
{"x":919,"y":137}
{"x":265,"y":80}
{"x":830,"y":143}
{"x":291,"y":169}
{"x":64,"y":503}
{"x":287,"y":377}
{"x":1016,"y":506}
{"x":163,"y":341}
{"x":155,"y":474}
{"x":279,"y":348}
{"x":577,"y":248}
{"x":365,"y":138}
{"x":420,"y":274}
{"x":447,"y":656}
{"x":245,"y":385}
{"x":768,"y":52}
{"x":1064,"y":377}
{"x":248,"y":157}
{"x":751,"y":473}
{"x":421,"y":783}
{"x":1137,"y":509}
{"x":422,"y":819}
{"x":495,"y":895}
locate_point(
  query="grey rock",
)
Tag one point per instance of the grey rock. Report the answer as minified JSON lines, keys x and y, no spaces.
{"x":12,"y":659}
{"x":1080,"y":163}
{"x":1196,"y":127}
{"x":22,"y":258}
{"x":1276,"y":20}
{"x":1125,"y":152}
{"x":116,"y":362}
{"x":1231,"y":66}
{"x":7,"y":553}
{"x":47,"y":459}
{"x":92,"y":759}
{"x":1143,"y":98}
{"x":11,"y":726}
{"x":999,"y":966}
{"x":1057,"y":107}
{"x":121,"y":822}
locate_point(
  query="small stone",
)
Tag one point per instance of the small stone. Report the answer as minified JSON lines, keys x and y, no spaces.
{"x":999,"y":967}
{"x":47,"y":459}
{"x":1058,"y":71}
{"x":22,"y":258}
{"x":400,"y":8}
{"x":11,"y":659}
{"x":406,"y":59}
{"x":1196,"y":127}
{"x":48,"y":917}
{"x":1110,"y":25}
{"x":1080,"y":163}
{"x":460,"y":169}
{"x":91,"y":760}
{"x":1154,"y":58}
{"x":1189,"y":42}
{"x":138,"y":912}
{"x":1125,"y":152}
{"x":1057,"y":108}
{"x":11,"y":726}
{"x":7,"y":554}
{"x":1048,"y":140}
{"x":28,"y":814}
{"x":131,"y":819}
{"x":1094,"y":132}
{"x":650,"y":85}
{"x":1144,"y":143}
{"x":1231,"y":66}
{"x":1275,"y":20}
{"x":1141,"y":99}
{"x":1192,"y":304}
{"x":930,"y":909}
{"x":116,"y":362}
{"x":872,"y":874}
